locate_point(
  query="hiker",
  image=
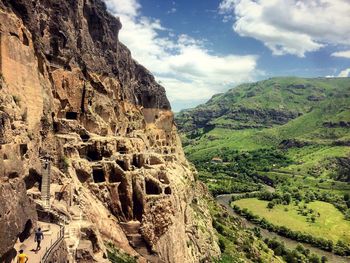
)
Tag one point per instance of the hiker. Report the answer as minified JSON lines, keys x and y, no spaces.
{"x":22,"y":258}
{"x":38,"y":237}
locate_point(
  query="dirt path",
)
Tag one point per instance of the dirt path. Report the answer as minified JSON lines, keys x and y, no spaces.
{"x":51,"y":232}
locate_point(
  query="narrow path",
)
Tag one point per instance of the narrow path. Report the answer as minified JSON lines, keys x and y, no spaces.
{"x":225,"y":201}
{"x":51,"y":232}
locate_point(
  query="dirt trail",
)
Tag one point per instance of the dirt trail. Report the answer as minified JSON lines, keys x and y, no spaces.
{"x":51,"y":232}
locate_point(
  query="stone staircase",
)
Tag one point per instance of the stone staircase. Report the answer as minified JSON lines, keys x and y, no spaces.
{"x":132,"y":231}
{"x":45,"y":184}
{"x":72,"y":235}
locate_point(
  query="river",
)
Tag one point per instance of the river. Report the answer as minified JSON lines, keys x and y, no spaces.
{"x":289,"y":243}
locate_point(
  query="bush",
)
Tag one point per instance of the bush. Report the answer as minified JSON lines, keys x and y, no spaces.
{"x":115,"y":255}
{"x":270,"y":205}
{"x":64,"y":163}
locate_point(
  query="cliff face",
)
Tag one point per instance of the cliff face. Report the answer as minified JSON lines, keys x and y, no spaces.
{"x":69,"y":89}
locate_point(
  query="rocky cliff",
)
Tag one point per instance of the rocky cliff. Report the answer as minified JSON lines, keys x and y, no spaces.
{"x":71,"y":92}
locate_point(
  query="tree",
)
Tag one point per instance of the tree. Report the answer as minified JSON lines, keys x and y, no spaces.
{"x":287,"y":197}
{"x":313,"y":218}
{"x":314,"y":259}
{"x":270,"y":205}
{"x":347,"y":215}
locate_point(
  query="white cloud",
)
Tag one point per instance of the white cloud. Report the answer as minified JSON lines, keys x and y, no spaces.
{"x":291,"y":26}
{"x":344,"y":73}
{"x":172,"y":11}
{"x":185,"y":67}
{"x":342,"y":54}
{"x":123,"y":7}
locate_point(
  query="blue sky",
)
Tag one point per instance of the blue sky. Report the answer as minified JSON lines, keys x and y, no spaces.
{"x":198,"y":48}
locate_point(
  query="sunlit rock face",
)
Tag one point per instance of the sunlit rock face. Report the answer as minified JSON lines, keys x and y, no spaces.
{"x":70,"y":90}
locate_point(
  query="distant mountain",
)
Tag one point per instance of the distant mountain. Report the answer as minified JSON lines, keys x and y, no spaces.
{"x":307,"y":118}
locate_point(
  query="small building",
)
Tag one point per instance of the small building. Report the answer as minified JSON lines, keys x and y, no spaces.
{"x":216,"y":160}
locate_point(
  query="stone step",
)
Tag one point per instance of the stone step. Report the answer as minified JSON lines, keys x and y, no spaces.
{"x":131,"y":227}
{"x":136,"y":241}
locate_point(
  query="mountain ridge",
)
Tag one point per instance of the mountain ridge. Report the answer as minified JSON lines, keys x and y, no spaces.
{"x":310,"y":112}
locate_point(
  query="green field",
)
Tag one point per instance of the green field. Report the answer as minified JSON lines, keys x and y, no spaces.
{"x":330,"y":225}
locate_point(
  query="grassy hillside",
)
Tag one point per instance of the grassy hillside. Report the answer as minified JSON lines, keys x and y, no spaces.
{"x":308,"y":120}
{"x":290,"y":133}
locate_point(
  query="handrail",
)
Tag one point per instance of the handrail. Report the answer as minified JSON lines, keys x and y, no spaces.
{"x":60,"y":237}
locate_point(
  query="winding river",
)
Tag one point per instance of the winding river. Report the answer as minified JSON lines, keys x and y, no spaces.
{"x":289,"y":243}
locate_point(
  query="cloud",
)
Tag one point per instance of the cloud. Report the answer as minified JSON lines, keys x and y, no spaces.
{"x":184,"y":66}
{"x":172,"y":10}
{"x":123,"y":7}
{"x":344,"y":73}
{"x":342,"y":54}
{"x":291,"y":26}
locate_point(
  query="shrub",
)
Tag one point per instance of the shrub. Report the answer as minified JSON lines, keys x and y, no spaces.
{"x":64,"y":163}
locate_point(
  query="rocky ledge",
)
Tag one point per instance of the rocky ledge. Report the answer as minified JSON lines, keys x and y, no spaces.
{"x":71,"y":93}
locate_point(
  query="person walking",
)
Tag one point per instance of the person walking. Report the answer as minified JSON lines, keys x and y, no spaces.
{"x":22,"y":258}
{"x":39,"y":236}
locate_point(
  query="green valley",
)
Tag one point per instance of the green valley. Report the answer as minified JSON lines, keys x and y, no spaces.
{"x":292,"y":134}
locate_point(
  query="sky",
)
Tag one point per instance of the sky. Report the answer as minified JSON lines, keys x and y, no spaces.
{"x":198,"y":48}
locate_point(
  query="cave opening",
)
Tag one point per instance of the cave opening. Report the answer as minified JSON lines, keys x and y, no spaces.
{"x":91,"y":235}
{"x":13,"y":174}
{"x":55,"y":127}
{"x":98,"y":175}
{"x":32,"y":179}
{"x":71,"y":115}
{"x":167,"y":191}
{"x":137,"y":206}
{"x":163,"y":178}
{"x":115,"y":176}
{"x":122,"y":164}
{"x":23,"y":149}
{"x":26,"y":231}
{"x":84,"y":137}
{"x":124,"y":199}
{"x":93,"y":154}
{"x":122,"y":149}
{"x":136,"y":161}
{"x":82,"y":175}
{"x":152,"y":188}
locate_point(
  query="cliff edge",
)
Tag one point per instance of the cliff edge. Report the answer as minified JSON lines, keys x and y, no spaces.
{"x":71,"y":93}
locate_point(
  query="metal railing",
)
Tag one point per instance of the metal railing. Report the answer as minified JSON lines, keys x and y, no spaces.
{"x":53,"y":245}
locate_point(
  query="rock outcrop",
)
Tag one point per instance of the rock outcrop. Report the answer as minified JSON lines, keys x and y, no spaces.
{"x":70,"y":90}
